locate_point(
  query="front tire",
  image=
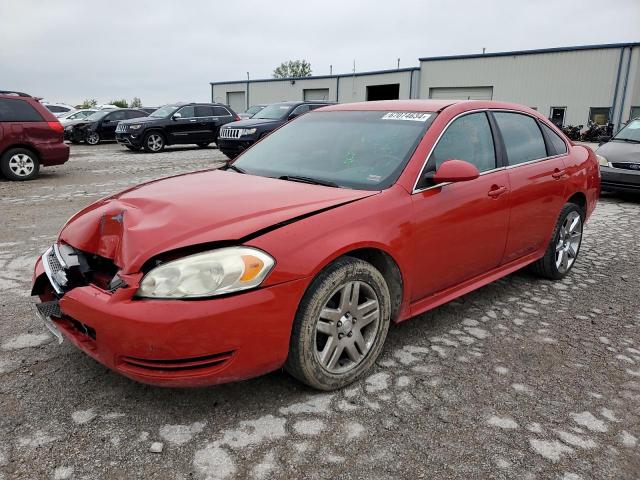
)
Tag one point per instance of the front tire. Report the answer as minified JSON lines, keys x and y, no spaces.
{"x":203,"y":145}
{"x":19,"y":164}
{"x":564,"y":246}
{"x":133,"y":148}
{"x":341,"y":325}
{"x":153,"y":142}
{"x":92,"y":138}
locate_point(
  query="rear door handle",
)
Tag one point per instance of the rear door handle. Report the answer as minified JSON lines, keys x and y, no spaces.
{"x":496,"y":191}
{"x":558,"y":174}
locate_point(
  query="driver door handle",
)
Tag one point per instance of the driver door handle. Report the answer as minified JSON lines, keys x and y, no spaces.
{"x":496,"y":191}
{"x":558,"y":174}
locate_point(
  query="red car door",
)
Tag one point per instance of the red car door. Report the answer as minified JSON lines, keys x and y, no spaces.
{"x":536,"y":176}
{"x":460,"y":228}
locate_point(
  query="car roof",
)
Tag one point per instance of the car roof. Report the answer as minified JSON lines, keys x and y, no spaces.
{"x":418,"y":105}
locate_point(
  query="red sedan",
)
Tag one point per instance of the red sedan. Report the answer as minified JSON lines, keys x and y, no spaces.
{"x":302,"y":251}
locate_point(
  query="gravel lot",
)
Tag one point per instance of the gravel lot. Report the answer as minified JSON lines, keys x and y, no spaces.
{"x":523,"y":379}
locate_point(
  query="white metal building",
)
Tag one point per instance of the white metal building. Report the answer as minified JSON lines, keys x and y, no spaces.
{"x":571,"y":85}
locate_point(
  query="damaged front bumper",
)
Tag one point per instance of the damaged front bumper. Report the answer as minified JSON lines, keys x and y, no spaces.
{"x":174,"y":343}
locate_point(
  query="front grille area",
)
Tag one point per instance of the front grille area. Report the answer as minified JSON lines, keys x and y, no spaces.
{"x":232,"y":133}
{"x":144,"y":365}
{"x":627,"y":166}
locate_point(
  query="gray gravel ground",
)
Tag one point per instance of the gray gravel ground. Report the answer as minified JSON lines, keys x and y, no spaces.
{"x":523,"y":379}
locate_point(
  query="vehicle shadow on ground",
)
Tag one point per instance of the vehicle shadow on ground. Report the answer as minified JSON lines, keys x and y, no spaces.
{"x":169,"y":149}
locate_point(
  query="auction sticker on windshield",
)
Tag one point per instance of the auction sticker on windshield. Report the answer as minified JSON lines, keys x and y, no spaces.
{"x":414,"y":116}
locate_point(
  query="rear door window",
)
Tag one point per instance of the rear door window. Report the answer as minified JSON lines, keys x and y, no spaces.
{"x":468,"y":138}
{"x":18,"y":111}
{"x":135,"y":114}
{"x":115,"y":116}
{"x":204,"y":111}
{"x":522,"y":137}
{"x":221,"y":112}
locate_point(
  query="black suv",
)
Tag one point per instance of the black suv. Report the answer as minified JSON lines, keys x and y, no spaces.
{"x":196,"y":123}
{"x":238,"y":136}
{"x":100,"y":126}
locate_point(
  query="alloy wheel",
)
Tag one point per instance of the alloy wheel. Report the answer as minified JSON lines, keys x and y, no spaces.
{"x":93,"y":138}
{"x":21,"y":165}
{"x":347,"y":326}
{"x":154,"y":142}
{"x":568,"y":244}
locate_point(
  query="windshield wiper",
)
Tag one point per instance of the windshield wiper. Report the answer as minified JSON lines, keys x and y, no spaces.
{"x":234,"y":168}
{"x":630,"y":140}
{"x":314,"y":181}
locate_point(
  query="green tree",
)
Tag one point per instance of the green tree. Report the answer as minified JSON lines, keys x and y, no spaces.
{"x":293,"y":68}
{"x":122,"y":103}
{"x":135,"y":103}
{"x":88,"y":103}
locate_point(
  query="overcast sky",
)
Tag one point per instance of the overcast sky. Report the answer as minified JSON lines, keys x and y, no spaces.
{"x":164,"y":51}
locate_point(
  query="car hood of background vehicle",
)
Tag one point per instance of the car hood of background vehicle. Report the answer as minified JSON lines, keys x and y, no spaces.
{"x":137,"y":224}
{"x":617,"y":151}
{"x":254,"y":122}
{"x":142,"y":120}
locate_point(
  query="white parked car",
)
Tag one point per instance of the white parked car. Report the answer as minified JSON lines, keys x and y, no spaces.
{"x":58,"y":108}
{"x":72,"y":117}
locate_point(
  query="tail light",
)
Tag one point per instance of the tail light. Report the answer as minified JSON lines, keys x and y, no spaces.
{"x":56,"y":127}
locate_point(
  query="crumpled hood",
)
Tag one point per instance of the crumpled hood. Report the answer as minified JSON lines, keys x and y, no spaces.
{"x":137,"y":224}
{"x":623,"y":152}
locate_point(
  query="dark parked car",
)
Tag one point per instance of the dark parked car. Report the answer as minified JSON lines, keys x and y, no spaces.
{"x":620,"y":160}
{"x":238,"y":136}
{"x":101,"y":125}
{"x":30,"y":137}
{"x":251,"y":111}
{"x":179,"y":123}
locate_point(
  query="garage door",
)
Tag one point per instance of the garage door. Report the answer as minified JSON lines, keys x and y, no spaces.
{"x":461,"y":93}
{"x":236,"y":100}
{"x":316,"y":94}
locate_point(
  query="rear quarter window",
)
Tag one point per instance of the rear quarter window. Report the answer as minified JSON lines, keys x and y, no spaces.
{"x":221,"y":112}
{"x":522,"y":137}
{"x":557,"y":145}
{"x":18,"y":111}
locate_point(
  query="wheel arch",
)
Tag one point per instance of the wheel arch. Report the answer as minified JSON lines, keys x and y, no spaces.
{"x":159,"y":130}
{"x":26,"y":146}
{"x":579,"y":199}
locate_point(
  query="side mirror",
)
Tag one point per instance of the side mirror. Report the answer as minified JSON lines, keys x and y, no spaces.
{"x":452,"y":171}
{"x":176,"y":116}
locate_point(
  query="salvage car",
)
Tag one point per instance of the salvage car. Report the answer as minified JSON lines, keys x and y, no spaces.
{"x":30,"y":137}
{"x":179,"y":123}
{"x":101,"y":125}
{"x":251,"y":111}
{"x":302,"y":251}
{"x":238,"y":136}
{"x":620,"y":160}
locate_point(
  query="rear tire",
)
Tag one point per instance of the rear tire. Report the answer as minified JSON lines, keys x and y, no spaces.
{"x":564,"y":246}
{"x":153,"y":142}
{"x":19,"y":164}
{"x":341,"y":325}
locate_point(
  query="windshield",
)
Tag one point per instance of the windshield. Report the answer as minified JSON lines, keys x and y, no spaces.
{"x":253,"y":110}
{"x":361,"y":150}
{"x":98,"y":115}
{"x":164,"y":112}
{"x":630,"y":133}
{"x":274,"y":112}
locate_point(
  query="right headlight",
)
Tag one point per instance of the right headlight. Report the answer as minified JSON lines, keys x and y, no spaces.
{"x":603,"y":161}
{"x":248,"y":131}
{"x":207,"y":274}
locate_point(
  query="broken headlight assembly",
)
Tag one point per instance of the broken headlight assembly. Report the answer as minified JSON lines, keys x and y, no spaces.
{"x":207,"y":274}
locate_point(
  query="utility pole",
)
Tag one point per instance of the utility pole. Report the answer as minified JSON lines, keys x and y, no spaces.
{"x":330,"y":69}
{"x":483,"y":49}
{"x":398,"y":64}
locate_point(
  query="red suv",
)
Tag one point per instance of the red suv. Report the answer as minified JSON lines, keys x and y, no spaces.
{"x":30,"y":136}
